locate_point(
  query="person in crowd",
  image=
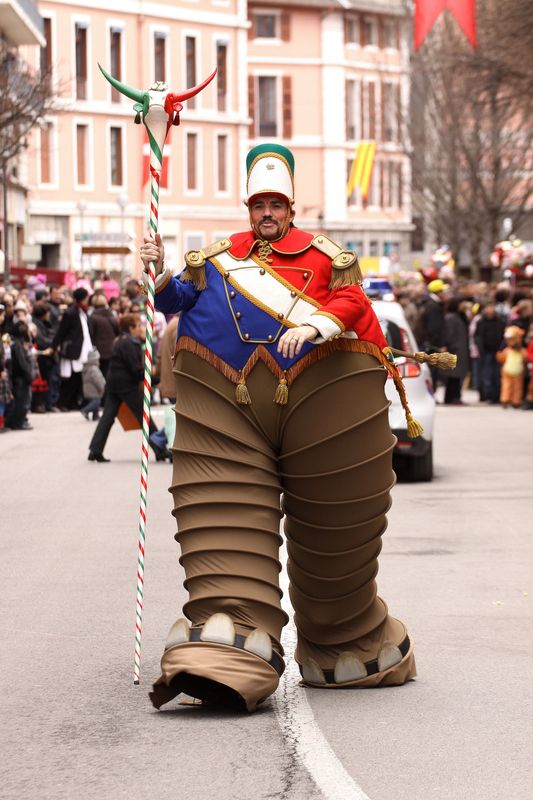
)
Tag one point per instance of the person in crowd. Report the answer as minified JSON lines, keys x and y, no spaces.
{"x":528,"y":402}
{"x":488,"y":337}
{"x":104,"y":329}
{"x":6,"y":395}
{"x":432,"y":322}
{"x":93,"y":383}
{"x":456,"y":342}
{"x":114,"y":306}
{"x":513,"y":360}
{"x":44,"y":336}
{"x":22,"y":375}
{"x":124,"y":378}
{"x":55,"y":298}
{"x":502,"y":302}
{"x":74,"y":342}
{"x":522,"y":314}
{"x":475,"y":316}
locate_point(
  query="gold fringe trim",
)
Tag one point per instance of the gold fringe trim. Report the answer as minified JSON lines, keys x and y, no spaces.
{"x":286,"y":378}
{"x":440,"y":360}
{"x":282,"y":393}
{"x":197,"y":276}
{"x":351,"y":276}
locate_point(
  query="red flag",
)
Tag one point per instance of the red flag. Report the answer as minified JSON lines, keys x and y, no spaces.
{"x":427,"y":11}
{"x":145,"y":168}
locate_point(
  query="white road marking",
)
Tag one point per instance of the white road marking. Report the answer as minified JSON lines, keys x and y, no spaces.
{"x":299,"y":726}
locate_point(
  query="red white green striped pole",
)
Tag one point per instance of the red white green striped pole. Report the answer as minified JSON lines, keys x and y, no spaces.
{"x":159,"y":109}
{"x":156,"y":162}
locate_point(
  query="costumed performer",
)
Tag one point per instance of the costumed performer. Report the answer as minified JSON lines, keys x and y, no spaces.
{"x":280,"y":369}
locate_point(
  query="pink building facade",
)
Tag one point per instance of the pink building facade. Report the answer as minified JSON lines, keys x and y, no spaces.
{"x":319,"y":77}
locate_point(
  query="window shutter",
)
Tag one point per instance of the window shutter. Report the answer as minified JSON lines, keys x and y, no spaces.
{"x":251,"y":105}
{"x":363,"y":94}
{"x":362,"y":31}
{"x":383,"y":127}
{"x":398,"y":27}
{"x":399,"y":134}
{"x":252,"y":30}
{"x":346,"y":30}
{"x":381,"y":32}
{"x":372,"y":110}
{"x":287,"y":106}
{"x":400,"y":184}
{"x":382,"y":184}
{"x":285,"y":25}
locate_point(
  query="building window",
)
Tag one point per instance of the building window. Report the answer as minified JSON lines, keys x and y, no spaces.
{"x":351,"y":30}
{"x":115,"y":60}
{"x":192,"y":161}
{"x":190,"y":66}
{"x":116,"y":156}
{"x":267,"y":125}
{"x":160,"y":44}
{"x":389,"y":132}
{"x":391,"y":249}
{"x":82,"y":155}
{"x":390,"y":33}
{"x":368,"y":111}
{"x":222,"y":75}
{"x":46,"y":153}
{"x":369,"y":31}
{"x":46,"y":51}
{"x":351,"y":110}
{"x":81,"y":61}
{"x":266,"y":26}
{"x":222,"y":152}
{"x":373,"y":249}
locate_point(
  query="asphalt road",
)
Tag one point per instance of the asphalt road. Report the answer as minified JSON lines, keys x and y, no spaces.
{"x":456,"y":566}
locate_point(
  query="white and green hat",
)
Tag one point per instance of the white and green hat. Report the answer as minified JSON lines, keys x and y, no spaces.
{"x":270,"y":170}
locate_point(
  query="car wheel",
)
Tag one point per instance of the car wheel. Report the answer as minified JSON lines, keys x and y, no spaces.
{"x":421,"y":467}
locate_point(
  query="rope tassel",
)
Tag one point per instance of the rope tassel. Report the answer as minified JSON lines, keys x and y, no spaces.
{"x":282,"y":392}
{"x":242,"y":395}
{"x":439,"y":360}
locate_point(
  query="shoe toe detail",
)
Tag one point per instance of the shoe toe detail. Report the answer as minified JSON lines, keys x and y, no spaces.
{"x":218,"y":628}
{"x":312,"y":672}
{"x":349,"y":668}
{"x":179,"y":633}
{"x":258,"y":642}
{"x":389,"y":656}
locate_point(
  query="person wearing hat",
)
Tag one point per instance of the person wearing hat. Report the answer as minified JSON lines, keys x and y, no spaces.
{"x":280,"y":368}
{"x":73,"y":340}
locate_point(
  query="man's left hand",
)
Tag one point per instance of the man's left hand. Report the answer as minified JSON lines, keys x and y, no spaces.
{"x":292,"y":340}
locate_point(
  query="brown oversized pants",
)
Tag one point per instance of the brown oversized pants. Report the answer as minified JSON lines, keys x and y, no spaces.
{"x":328,"y":452}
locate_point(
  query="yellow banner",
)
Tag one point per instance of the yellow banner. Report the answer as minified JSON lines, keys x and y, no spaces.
{"x":361,"y":170}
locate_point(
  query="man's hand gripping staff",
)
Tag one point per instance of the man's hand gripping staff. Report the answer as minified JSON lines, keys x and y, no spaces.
{"x":158,"y":109}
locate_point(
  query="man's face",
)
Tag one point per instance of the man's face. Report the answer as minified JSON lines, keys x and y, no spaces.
{"x":55,"y":295}
{"x":268,"y":214}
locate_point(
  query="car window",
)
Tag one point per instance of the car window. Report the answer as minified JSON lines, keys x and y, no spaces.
{"x":392,"y":333}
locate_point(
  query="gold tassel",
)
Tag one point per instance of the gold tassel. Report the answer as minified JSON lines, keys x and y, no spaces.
{"x":242,"y":395}
{"x":414,"y":428}
{"x":197,"y":276}
{"x":282,"y":392}
{"x":440,"y":360}
{"x":351,"y":276}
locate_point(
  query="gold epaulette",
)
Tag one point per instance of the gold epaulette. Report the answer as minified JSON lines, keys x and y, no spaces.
{"x":195,"y":260}
{"x":345,"y":270}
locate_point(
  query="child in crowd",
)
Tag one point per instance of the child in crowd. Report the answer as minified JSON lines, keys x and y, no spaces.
{"x":93,"y":383}
{"x":513,"y":359}
{"x":528,"y":404}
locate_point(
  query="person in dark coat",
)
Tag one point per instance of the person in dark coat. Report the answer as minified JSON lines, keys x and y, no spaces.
{"x":124,"y":377}
{"x":104,"y":329}
{"x":43,"y":339}
{"x":21,"y":379}
{"x":74,"y":342}
{"x":456,"y":342}
{"x":488,"y":337}
{"x":432,"y":323}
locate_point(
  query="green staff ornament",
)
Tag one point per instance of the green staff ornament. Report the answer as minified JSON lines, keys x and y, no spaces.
{"x":157,"y":109}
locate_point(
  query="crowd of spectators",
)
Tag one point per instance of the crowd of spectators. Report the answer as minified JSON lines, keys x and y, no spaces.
{"x":49,"y":332}
{"x":488,"y":326}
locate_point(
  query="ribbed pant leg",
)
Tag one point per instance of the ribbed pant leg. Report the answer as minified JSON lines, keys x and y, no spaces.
{"x":336,"y":467}
{"x":227,"y":505}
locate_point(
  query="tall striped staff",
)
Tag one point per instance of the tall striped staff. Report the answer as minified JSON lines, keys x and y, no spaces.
{"x":158,"y":109}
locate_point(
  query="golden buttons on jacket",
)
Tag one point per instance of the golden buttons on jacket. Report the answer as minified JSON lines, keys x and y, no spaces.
{"x":270,"y":337}
{"x":232,"y":294}
{"x":306,"y":275}
{"x":262,"y":271}
{"x":281,"y":315}
{"x":246,"y":336}
{"x":238,"y":315}
{"x":293,"y":294}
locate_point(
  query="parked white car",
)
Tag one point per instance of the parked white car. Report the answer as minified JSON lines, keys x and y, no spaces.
{"x":412,"y":457}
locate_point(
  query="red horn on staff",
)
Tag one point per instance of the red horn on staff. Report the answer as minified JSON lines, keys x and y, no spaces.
{"x":191,"y":92}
